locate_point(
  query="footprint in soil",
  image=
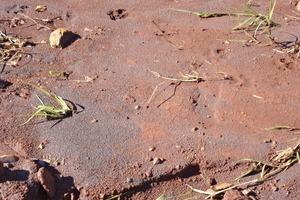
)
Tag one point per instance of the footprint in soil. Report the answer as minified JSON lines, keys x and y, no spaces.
{"x":285,"y":64}
{"x":117,"y":14}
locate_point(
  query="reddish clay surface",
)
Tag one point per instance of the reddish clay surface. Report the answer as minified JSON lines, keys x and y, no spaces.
{"x":199,"y":130}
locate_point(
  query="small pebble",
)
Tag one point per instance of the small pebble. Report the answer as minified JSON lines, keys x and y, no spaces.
{"x":56,"y":163}
{"x":94,"y":121}
{"x":274,"y":144}
{"x":195,"y":129}
{"x":157,"y":161}
{"x":274,"y":187}
{"x":137,"y":107}
{"x":129,"y":180}
{"x":148,"y":173}
{"x":151,"y":149}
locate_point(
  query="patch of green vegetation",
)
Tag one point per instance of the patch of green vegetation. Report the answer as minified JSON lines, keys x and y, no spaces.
{"x":254,"y":22}
{"x":58,"y":110}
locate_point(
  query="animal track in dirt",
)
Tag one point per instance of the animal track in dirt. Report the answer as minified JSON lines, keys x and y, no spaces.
{"x":285,"y":64}
{"x":117,"y":14}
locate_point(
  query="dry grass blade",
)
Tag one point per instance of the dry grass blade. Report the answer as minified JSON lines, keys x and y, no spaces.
{"x":193,"y":77}
{"x":281,"y":128}
{"x":38,"y":25}
{"x":203,"y":14}
{"x":58,"y":111}
{"x":282,"y":160}
{"x":257,"y":22}
{"x":162,"y":197}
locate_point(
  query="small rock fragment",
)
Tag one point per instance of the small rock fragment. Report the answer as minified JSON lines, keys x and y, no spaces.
{"x":148,"y":173}
{"x":274,"y":187}
{"x":47,"y":181}
{"x":274,"y":144}
{"x":62,"y":38}
{"x":56,"y":163}
{"x":24,"y":92}
{"x":151,"y":149}
{"x":195,"y":129}
{"x":94,"y":121}
{"x":157,"y":161}
{"x":43,"y":144}
{"x":41,"y":8}
{"x":56,"y":36}
{"x":129,"y":180}
{"x":137,"y":107}
{"x":246,"y":191}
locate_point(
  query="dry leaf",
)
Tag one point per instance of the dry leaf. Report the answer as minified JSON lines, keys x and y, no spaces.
{"x":41,"y":8}
{"x":56,"y":37}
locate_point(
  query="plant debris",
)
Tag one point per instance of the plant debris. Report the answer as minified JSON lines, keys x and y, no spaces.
{"x":51,"y":112}
{"x":289,"y":128}
{"x":60,"y":75}
{"x":11,"y":50}
{"x":279,"y":162}
{"x":255,"y":22}
{"x":193,"y":77}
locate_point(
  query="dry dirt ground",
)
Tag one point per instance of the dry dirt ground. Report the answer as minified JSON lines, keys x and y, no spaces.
{"x":135,"y":133}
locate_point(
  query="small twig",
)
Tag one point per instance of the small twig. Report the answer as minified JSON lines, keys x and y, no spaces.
{"x":39,"y":25}
{"x":152,"y":95}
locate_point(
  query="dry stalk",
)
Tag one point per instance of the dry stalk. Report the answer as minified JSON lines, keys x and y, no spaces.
{"x":194,"y":77}
{"x":38,"y":25}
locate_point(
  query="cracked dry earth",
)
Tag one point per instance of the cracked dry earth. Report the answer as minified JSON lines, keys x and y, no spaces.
{"x":135,"y":133}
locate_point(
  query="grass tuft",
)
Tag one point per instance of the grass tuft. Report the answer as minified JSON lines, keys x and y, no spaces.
{"x":58,"y":110}
{"x":254,"y":22}
{"x":279,"y":162}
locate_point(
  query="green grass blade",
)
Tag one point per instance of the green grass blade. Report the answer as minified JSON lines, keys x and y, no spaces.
{"x":271,"y":9}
